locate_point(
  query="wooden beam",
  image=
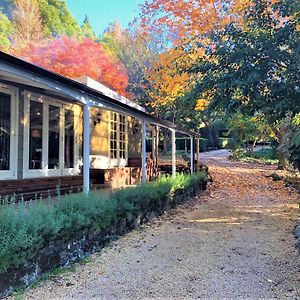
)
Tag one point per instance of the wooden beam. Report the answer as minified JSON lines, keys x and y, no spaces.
{"x":153,"y":135}
{"x":192,"y":155}
{"x":144,"y":154}
{"x":173,"y":152}
{"x":156,"y":145}
{"x":198,"y":154}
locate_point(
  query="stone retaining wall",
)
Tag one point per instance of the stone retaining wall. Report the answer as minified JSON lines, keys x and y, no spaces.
{"x":61,"y":253}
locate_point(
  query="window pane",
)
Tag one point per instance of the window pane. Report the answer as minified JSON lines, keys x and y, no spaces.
{"x":53,"y":143}
{"x":69,"y":139}
{"x":35,"y":135}
{"x":5,"y":118}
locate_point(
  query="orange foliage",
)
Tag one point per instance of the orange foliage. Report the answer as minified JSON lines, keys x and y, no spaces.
{"x":189,"y":18}
{"x":73,"y":58}
{"x":201,"y":104}
{"x":167,"y":80}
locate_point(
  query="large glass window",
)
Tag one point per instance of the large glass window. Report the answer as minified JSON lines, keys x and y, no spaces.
{"x":113,"y":136}
{"x":122,"y":126}
{"x":35,"y":135}
{"x":54,"y":137}
{"x":51,"y":146}
{"x":69,"y":138}
{"x":118,"y":138}
{"x":5,"y":129}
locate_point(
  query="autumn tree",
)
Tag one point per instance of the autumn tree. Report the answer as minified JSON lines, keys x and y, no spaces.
{"x":131,"y":48}
{"x":74,"y":58}
{"x":255,"y":68}
{"x":6,"y":32}
{"x":27,"y":21}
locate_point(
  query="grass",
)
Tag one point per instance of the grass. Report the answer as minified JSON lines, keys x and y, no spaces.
{"x":264,"y":156}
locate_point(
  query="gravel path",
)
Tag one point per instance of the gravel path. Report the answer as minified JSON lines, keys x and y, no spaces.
{"x":232,"y":242}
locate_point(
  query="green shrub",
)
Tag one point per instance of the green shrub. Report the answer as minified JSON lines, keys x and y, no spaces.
{"x":266,"y":156}
{"x":224,"y":143}
{"x":26,"y":228}
{"x":293,"y":146}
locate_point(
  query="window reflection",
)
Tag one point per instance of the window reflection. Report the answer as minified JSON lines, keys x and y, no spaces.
{"x":36,"y":135}
{"x":53,"y":138}
{"x":5,"y":121}
{"x":69,"y":138}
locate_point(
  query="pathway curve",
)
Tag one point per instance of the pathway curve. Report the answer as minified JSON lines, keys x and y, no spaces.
{"x":232,"y":242}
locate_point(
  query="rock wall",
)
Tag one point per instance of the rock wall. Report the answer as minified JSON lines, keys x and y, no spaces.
{"x":61,"y":253}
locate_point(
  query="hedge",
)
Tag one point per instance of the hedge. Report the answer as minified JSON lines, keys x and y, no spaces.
{"x":27,"y":227}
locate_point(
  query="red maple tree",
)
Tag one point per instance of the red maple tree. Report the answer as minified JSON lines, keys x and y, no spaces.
{"x":74,"y":58}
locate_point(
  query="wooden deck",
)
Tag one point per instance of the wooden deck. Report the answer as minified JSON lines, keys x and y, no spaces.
{"x":35,"y":188}
{"x":42,"y":187}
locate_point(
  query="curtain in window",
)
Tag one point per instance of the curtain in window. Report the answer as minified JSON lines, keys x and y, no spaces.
{"x":5,"y":124}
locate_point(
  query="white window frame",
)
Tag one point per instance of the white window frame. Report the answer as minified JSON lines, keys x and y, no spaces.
{"x":13,"y":159}
{"x":77,"y":138}
{"x":45,"y":171}
{"x":118,"y":162}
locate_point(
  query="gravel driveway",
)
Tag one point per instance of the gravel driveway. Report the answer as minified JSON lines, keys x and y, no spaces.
{"x":232,"y":242}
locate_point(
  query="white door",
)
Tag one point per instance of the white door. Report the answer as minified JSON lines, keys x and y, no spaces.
{"x":118,"y":140}
{"x":54,"y":138}
{"x":8,"y":133}
{"x":51,"y":138}
{"x":72,"y":138}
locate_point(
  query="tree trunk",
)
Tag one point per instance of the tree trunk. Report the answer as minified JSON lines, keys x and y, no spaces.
{"x":282,"y":164}
{"x":165,"y":146}
{"x":281,"y":159}
{"x":279,"y":133}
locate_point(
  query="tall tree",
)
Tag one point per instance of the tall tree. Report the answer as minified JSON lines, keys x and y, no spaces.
{"x":73,"y":58}
{"x":136,"y":54}
{"x":27,"y":20}
{"x":58,"y":19}
{"x":255,"y":68}
{"x":6,"y":32}
{"x":86,"y":28}
{"x":184,"y":20}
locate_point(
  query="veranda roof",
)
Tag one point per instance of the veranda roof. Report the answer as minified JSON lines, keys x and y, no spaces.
{"x":12,"y":69}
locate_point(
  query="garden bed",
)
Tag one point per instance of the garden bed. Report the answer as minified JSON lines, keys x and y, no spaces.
{"x":38,"y":237}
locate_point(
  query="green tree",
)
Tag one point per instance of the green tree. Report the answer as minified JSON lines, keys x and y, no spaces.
{"x":86,"y":28}
{"x":255,"y":67}
{"x":6,"y":31}
{"x":57,"y":18}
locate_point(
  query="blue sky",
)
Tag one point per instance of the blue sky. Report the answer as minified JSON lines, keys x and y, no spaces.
{"x":103,"y":12}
